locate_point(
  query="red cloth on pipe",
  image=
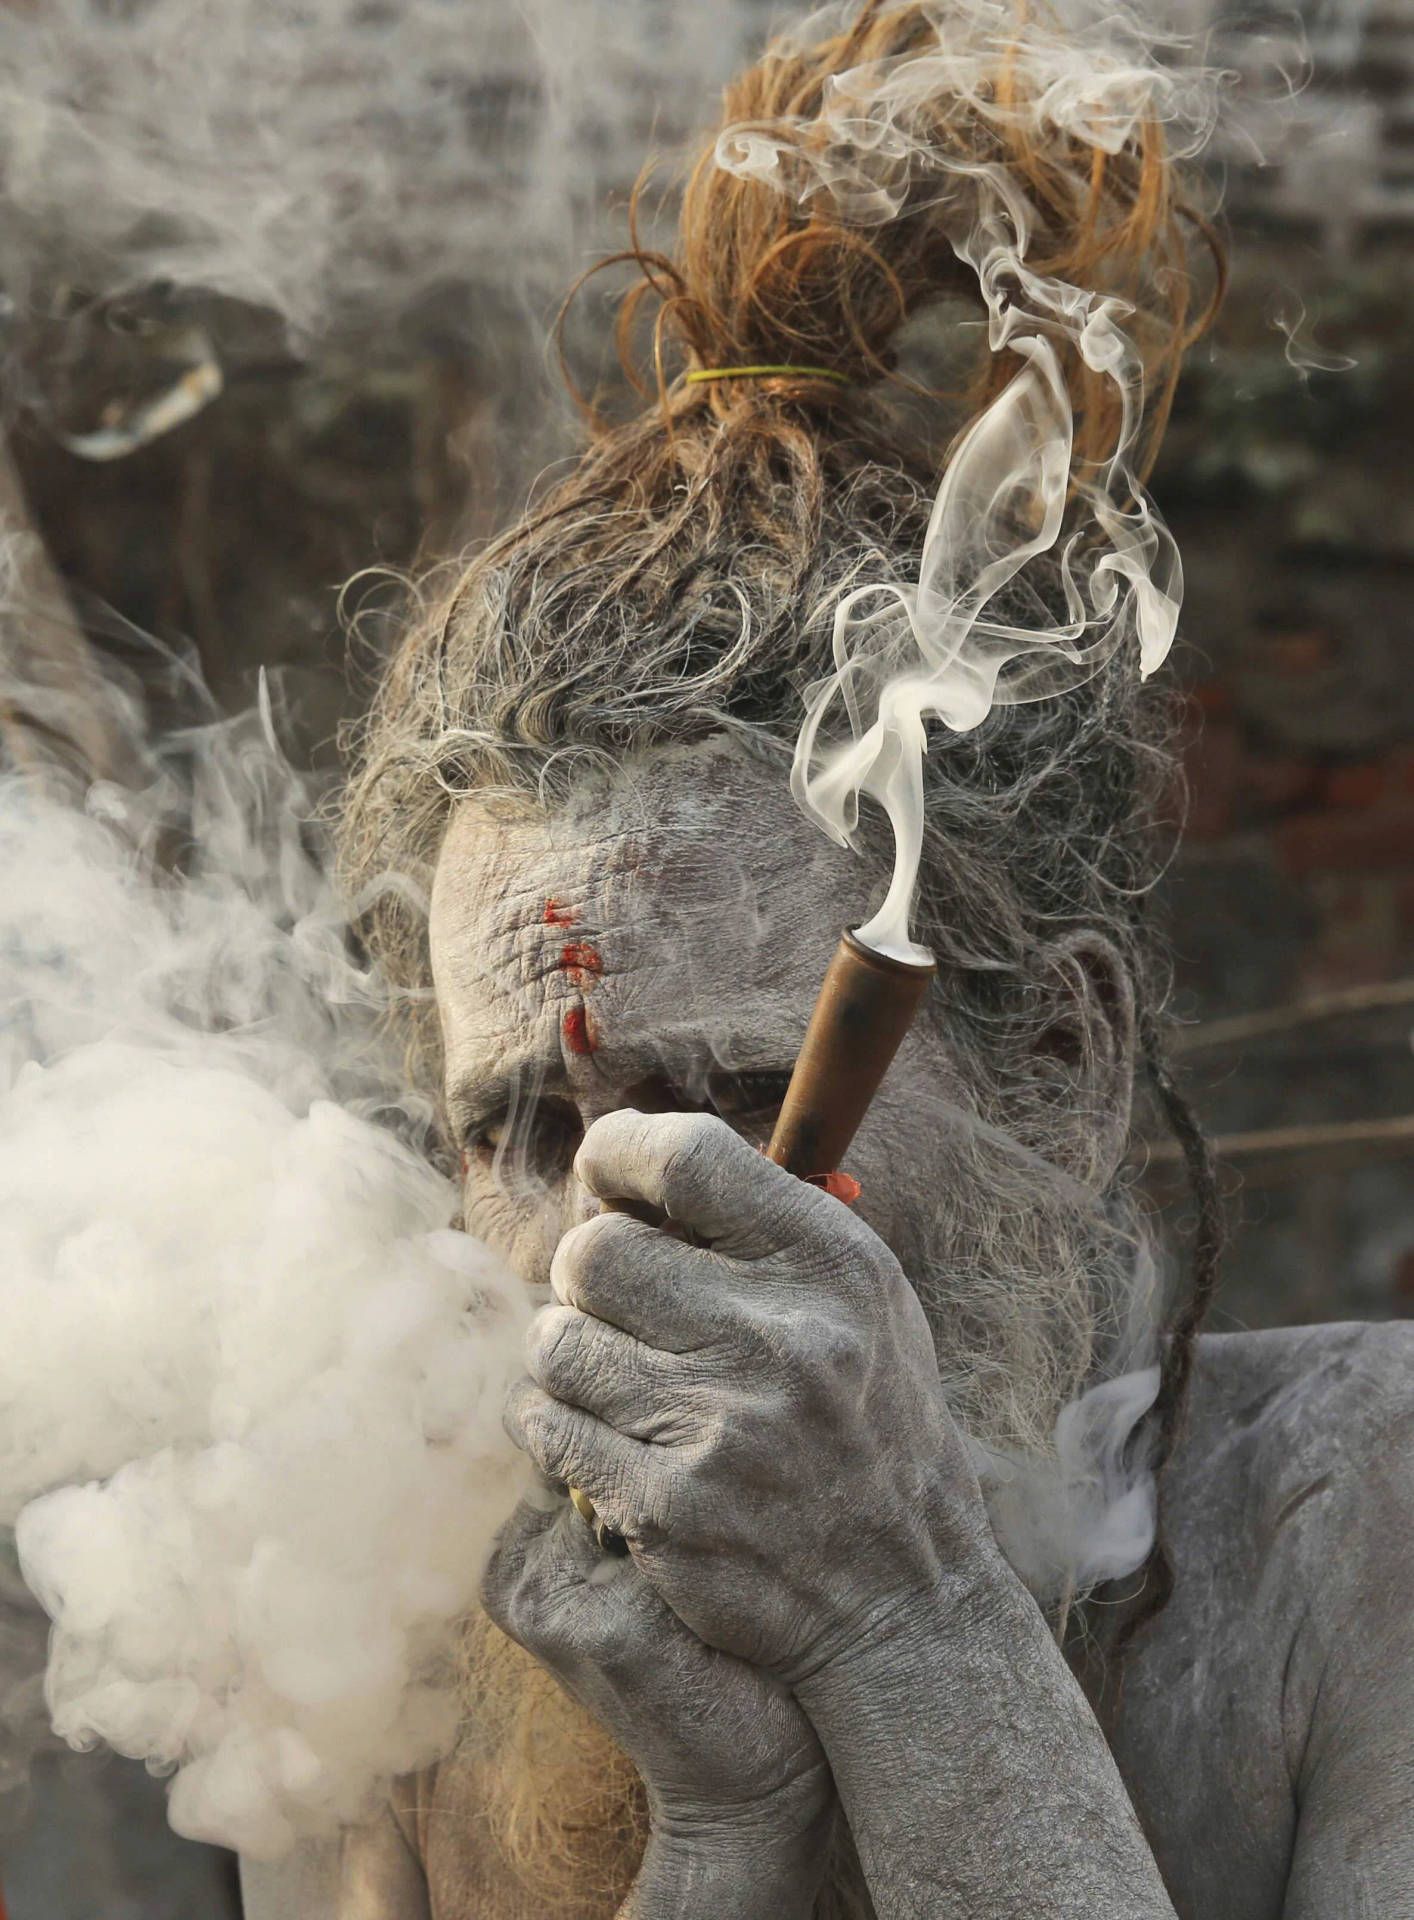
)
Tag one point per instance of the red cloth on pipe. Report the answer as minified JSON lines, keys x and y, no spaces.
{"x":843,"y":1186}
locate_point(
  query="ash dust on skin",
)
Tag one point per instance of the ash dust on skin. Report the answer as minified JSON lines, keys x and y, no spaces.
{"x":709,"y":907}
{"x":250,"y":1386}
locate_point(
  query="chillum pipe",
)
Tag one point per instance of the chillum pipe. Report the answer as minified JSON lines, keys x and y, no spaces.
{"x":865,"y":1006}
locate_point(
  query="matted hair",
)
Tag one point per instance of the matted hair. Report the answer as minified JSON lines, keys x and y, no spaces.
{"x":679,"y":583}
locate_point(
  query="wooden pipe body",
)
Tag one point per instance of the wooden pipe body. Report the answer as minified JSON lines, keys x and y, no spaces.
{"x":864,"y":1008}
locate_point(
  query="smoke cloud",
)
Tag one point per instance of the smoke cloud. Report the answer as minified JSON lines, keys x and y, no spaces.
{"x":251,"y":1382}
{"x":334,"y":161}
{"x":1085,"y":1511}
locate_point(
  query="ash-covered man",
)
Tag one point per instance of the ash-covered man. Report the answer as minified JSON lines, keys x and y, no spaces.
{"x":867,"y":1651}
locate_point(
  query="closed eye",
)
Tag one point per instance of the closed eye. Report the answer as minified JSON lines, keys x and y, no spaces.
{"x":743,"y":1098}
{"x":542,"y":1136}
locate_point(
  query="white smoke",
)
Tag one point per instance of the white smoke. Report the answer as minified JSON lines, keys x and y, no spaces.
{"x":1087,"y":1512}
{"x":335,"y":160}
{"x":1302,"y":351}
{"x":1088,"y":1515}
{"x":251,"y":1381}
{"x":1011,"y":492}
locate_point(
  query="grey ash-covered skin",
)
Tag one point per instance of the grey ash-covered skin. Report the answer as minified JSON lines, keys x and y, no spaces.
{"x":816,"y":1612}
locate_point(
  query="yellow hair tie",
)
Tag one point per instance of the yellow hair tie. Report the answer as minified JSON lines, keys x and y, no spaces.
{"x":767,"y":373}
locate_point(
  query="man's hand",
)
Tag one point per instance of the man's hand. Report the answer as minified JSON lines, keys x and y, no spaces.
{"x":759,"y":1414}
{"x":739,"y":1792}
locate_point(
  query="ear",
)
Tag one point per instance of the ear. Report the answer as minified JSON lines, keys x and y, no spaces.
{"x":1090,"y":1048}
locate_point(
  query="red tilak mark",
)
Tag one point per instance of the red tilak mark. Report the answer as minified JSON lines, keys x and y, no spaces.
{"x":580,"y":1036}
{"x":580,"y":958}
{"x":465,"y":1163}
{"x":557,"y":915}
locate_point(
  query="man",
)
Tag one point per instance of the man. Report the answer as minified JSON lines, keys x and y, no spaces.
{"x":816,"y":1625}
{"x":861,"y":1654}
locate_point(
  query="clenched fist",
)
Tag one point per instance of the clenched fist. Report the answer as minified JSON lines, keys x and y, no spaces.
{"x":755,"y":1408}
{"x":709,"y":1736}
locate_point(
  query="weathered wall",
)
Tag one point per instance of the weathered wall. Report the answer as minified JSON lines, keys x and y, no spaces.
{"x":1290,"y":489}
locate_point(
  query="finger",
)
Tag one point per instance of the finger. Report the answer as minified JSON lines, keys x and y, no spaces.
{"x":541,"y":1565}
{"x":531,"y":1522}
{"x":702,"y":1175}
{"x":580,"y":1604}
{"x":573,"y":1446}
{"x":641,"y":1280}
{"x":634,"y":1388}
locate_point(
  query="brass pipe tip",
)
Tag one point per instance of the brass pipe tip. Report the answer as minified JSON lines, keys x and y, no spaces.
{"x":888,"y":962}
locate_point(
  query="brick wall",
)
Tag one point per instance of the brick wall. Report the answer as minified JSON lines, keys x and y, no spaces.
{"x":1292,"y":496}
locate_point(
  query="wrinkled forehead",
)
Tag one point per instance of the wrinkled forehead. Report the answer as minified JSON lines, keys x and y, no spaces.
{"x":680,"y":892}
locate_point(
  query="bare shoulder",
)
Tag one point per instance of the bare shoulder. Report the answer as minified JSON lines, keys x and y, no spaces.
{"x":1291,"y":1414}
{"x":1282,"y":1661}
{"x":1288,"y":1517}
{"x":1361,"y":1362}
{"x":1298,"y":1454}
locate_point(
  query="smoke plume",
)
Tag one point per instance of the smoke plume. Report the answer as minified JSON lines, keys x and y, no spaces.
{"x":251,"y":1382}
{"x":1012,"y":494}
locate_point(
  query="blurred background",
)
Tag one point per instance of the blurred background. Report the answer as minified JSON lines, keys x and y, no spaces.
{"x":275,"y":287}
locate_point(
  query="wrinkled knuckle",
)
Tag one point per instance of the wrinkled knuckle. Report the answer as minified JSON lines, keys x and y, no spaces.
{"x":618,"y":1643}
{"x":626,"y":1131}
{"x":557,"y":1346}
{"x":841,"y":1350}
{"x":607,"y":1140}
{"x":603,"y":1252}
{"x":621,"y":1494}
{"x":546,"y":1440}
{"x":734,"y":1443}
{"x":692,"y":1144}
{"x":634,"y":1501}
{"x":574,"y":1262}
{"x":604,"y":1132}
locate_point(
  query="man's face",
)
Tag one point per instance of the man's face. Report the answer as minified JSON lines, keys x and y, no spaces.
{"x":659,"y":948}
